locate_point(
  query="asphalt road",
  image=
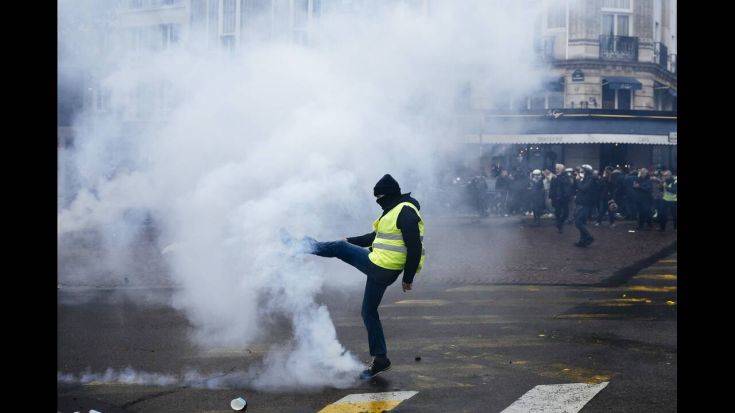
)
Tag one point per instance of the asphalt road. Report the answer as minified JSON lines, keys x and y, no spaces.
{"x":482,"y":347}
{"x":460,"y":250}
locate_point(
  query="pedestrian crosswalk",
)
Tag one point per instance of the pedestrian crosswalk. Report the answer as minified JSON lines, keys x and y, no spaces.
{"x":550,"y":398}
{"x":556,"y":398}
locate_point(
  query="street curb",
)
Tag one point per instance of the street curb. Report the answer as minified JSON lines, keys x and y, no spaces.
{"x":624,"y":274}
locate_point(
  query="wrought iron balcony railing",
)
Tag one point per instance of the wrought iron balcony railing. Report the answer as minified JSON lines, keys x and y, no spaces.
{"x":618,"y":48}
{"x":661,"y":55}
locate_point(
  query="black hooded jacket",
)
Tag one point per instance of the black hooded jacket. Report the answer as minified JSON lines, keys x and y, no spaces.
{"x":408,"y":223}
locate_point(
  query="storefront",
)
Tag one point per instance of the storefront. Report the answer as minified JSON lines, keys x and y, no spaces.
{"x":576,"y":137}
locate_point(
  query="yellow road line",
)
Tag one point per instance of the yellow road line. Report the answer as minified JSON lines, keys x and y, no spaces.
{"x":652,"y":289}
{"x":368,"y":402}
{"x":665,"y":277}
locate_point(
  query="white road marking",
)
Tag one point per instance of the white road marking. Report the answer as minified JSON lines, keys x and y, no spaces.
{"x":372,"y":397}
{"x":556,"y":398}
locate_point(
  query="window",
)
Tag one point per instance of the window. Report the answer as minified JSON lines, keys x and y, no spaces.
{"x":213,"y":16}
{"x":608,"y":98}
{"x":624,"y":99}
{"x":169,"y":35}
{"x":198,"y":13}
{"x":228,"y":42}
{"x":228,"y":16}
{"x":316,"y":8}
{"x":622,"y":26}
{"x":616,"y":99}
{"x":616,"y":4}
{"x":300,"y":13}
{"x":615,"y":24}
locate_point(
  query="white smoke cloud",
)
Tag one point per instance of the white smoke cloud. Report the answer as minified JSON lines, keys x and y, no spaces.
{"x":280,"y":135}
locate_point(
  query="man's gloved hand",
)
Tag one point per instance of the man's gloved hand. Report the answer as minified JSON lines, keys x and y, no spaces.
{"x":406,"y":287}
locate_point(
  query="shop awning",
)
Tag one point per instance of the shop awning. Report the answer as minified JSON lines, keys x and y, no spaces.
{"x":622,"y":82}
{"x":577,"y":138}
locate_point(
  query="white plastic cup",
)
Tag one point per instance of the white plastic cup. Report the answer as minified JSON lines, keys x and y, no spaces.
{"x":239,"y":404}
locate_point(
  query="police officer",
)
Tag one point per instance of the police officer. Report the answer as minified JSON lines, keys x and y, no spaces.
{"x":395,"y":246}
{"x":584,"y":201}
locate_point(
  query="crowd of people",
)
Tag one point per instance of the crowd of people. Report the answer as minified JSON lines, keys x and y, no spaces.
{"x":578,"y":195}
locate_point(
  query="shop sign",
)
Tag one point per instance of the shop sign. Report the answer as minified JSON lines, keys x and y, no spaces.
{"x":577,"y":76}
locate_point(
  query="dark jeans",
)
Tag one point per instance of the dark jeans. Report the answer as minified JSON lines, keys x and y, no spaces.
{"x":667,"y":208}
{"x":561,"y":212}
{"x":644,"y":213}
{"x":631,"y":211}
{"x":581,"y":214}
{"x":378,"y":279}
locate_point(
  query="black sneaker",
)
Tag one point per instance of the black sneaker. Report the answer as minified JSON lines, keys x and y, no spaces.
{"x":379,"y":365}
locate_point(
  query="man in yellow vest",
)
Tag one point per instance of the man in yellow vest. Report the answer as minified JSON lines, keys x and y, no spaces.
{"x":395,"y":246}
{"x":669,"y":200}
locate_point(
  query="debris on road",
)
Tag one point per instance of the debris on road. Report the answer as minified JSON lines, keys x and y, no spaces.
{"x":239,"y":404}
{"x":418,"y":358}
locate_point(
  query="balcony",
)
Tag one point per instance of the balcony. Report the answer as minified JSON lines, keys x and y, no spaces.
{"x":662,"y":57}
{"x":621,"y":48}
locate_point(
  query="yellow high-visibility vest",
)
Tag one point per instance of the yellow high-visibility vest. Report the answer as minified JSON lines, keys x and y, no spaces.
{"x":669,"y":196}
{"x":388,"y":249}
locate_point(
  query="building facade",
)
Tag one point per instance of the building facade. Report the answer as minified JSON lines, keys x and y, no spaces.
{"x":605,"y":59}
{"x":141,"y":26}
{"x":610,"y":67}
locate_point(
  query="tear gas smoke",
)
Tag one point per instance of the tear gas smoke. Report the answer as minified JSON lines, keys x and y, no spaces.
{"x":277,"y":135}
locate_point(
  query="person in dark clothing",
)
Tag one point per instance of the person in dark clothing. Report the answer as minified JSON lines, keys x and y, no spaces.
{"x":606,"y":195}
{"x":478,"y":194}
{"x":560,"y":191}
{"x":502,"y":187}
{"x":618,"y":194}
{"x":595,"y":194}
{"x":572,"y":173}
{"x":669,"y":200}
{"x":522,"y":191}
{"x":584,"y":200}
{"x":395,"y":246}
{"x":537,"y":196}
{"x":643,"y":198}
{"x":630,"y":196}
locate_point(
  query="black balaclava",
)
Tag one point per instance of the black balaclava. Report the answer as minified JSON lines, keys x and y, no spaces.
{"x":389,"y":188}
